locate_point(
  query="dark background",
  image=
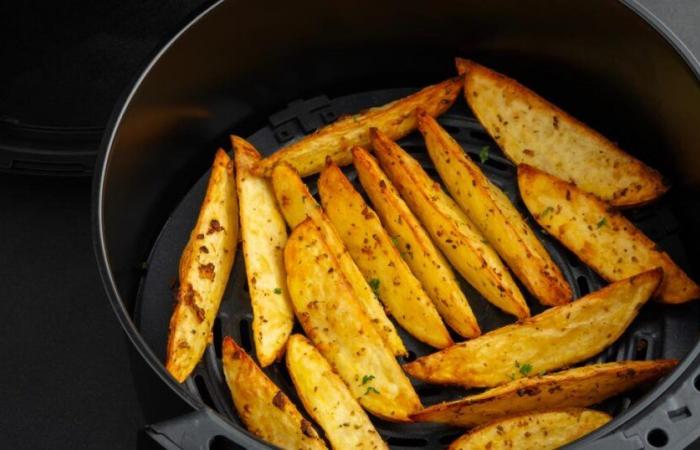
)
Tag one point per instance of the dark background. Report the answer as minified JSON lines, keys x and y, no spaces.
{"x":65,"y":365}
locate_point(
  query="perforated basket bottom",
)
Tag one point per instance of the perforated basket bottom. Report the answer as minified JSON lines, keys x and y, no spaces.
{"x":646,"y":338}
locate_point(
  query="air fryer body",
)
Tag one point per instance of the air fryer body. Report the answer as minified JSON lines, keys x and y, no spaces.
{"x":239,"y":62}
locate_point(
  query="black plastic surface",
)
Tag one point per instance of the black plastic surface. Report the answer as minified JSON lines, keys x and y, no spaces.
{"x":646,"y":338}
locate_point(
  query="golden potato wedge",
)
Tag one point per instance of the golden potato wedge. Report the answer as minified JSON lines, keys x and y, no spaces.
{"x":327,"y":399}
{"x":532,"y":131}
{"x":494,"y":215}
{"x":463,"y":245}
{"x":262,"y":406}
{"x":416,"y":248}
{"x":297,"y":203}
{"x":543,"y":430}
{"x":396,"y":119}
{"x":204,"y":269}
{"x":577,"y":331}
{"x":336,"y":323}
{"x":379,"y":260}
{"x":603,"y":239}
{"x":264,"y":235}
{"x":578,"y":387}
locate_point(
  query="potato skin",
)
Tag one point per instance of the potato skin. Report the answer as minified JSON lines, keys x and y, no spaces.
{"x":262,"y":406}
{"x":494,"y":215}
{"x":530,"y":130}
{"x":578,"y":387}
{"x":205,"y":266}
{"x":297,"y":203}
{"x":308,"y":155}
{"x":327,"y":400}
{"x":451,"y":230}
{"x":542,"y":430}
{"x":558,"y":337}
{"x":336,"y":323}
{"x":378,"y":259}
{"x":602,"y":238}
{"x":416,"y":248}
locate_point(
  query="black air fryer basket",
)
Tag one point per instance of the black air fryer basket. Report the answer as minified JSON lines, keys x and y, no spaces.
{"x":276,"y":73}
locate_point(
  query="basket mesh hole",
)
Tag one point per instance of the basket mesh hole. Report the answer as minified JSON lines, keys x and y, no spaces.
{"x":452,"y":129}
{"x":496,"y":164}
{"x":218,"y":337}
{"x":679,"y":414}
{"x":246,"y":343}
{"x":657,"y":438}
{"x":221,"y":443}
{"x":449,"y":438}
{"x":203,"y":391}
{"x":411,"y":356}
{"x":696,"y":382}
{"x":641,"y":347}
{"x":407,"y":442}
{"x":583,"y":285}
{"x":428,"y":390}
{"x":480,"y":135}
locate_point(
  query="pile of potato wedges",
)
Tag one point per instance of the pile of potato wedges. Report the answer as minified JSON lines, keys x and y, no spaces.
{"x":351,"y":272}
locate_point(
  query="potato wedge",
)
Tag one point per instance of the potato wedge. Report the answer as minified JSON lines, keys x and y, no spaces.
{"x":378,"y":259}
{"x":204,"y":269}
{"x":297,"y":203}
{"x":578,"y":387}
{"x":416,"y":248}
{"x":264,"y":235}
{"x":603,"y":239}
{"x":577,"y":331}
{"x":327,"y":399}
{"x":396,"y":119}
{"x":532,"y":131}
{"x":460,"y":241}
{"x":545,"y":430}
{"x":336,"y":323}
{"x":494,"y":215}
{"x":262,"y":406}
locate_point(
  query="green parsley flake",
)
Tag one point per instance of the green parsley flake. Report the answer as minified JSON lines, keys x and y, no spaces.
{"x":277,"y":291}
{"x":367,"y":378}
{"x":525,"y":369}
{"x":602,"y":222}
{"x":371,"y":389}
{"x":484,"y":154}
{"x":395,"y":241}
{"x":374,"y":284}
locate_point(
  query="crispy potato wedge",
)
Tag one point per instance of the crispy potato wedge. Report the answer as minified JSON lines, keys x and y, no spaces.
{"x":204,"y":269}
{"x":264,"y":235}
{"x":379,"y":260}
{"x":543,"y":430}
{"x":577,"y":331}
{"x":494,"y":215}
{"x":532,"y":131}
{"x":603,"y":239}
{"x":262,"y":406}
{"x":416,"y":248}
{"x":578,"y":387}
{"x":336,"y":323}
{"x":396,"y":119}
{"x":327,"y":399}
{"x":297,"y":203}
{"x":461,"y":242}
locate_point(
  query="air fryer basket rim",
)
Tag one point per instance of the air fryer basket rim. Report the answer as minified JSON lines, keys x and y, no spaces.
{"x":125,"y":319}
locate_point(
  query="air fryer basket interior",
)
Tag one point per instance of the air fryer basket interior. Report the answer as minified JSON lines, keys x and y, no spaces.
{"x":240,"y":62}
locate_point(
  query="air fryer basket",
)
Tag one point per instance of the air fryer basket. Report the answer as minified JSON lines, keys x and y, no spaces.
{"x":274,"y":74}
